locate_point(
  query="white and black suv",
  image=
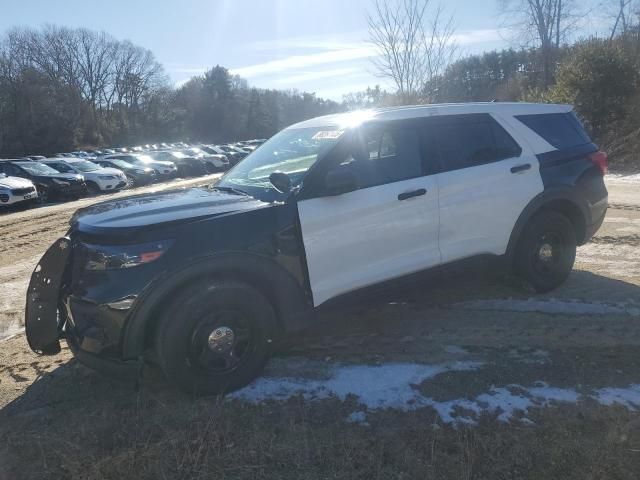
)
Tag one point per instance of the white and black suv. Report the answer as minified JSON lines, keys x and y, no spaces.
{"x":205,"y":279}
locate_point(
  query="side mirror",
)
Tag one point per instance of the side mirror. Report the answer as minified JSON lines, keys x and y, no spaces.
{"x":339,"y":181}
{"x":280,"y":181}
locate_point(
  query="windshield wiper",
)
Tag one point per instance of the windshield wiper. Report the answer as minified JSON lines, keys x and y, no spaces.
{"x":235,"y":191}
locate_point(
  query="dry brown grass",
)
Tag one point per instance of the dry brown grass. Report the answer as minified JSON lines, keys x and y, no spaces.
{"x":164,"y":435}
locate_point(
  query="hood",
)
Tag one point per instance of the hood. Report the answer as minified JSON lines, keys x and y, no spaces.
{"x":15,"y":182}
{"x":109,"y":171}
{"x":140,"y":211}
{"x":62,"y":176}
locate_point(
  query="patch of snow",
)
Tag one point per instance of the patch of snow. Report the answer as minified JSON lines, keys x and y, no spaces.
{"x":394,"y":386}
{"x":628,"y":397}
{"x":618,"y":178}
{"x":455,"y":350}
{"x":384,"y":386}
{"x":551,"y":306}
{"x":358,"y":417}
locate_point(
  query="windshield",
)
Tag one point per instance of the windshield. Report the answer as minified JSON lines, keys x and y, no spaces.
{"x":141,"y":159}
{"x":36,"y":168}
{"x":121,"y":163}
{"x":86,"y":166}
{"x":291,"y":151}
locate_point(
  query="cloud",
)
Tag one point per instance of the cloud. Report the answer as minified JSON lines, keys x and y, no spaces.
{"x":302,"y":77}
{"x":304,"y":61}
{"x":333,"y":52}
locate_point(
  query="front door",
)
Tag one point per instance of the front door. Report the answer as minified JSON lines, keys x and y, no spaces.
{"x":385,"y":229}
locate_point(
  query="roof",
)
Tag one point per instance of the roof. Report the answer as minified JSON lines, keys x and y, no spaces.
{"x":351,"y":119}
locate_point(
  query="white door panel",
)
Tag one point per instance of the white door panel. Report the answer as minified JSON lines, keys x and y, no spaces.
{"x":479,"y":205}
{"x":367,"y":236}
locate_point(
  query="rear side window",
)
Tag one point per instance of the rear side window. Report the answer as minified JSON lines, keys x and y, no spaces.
{"x":562,"y":130}
{"x":475,"y":140}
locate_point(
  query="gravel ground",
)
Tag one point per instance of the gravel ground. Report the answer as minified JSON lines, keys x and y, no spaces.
{"x":470,"y":350}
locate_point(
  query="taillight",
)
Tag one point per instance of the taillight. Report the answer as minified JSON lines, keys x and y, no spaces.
{"x":601,"y":160}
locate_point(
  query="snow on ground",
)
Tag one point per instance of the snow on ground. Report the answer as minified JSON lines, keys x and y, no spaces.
{"x":551,"y":306}
{"x":618,"y":178}
{"x":394,"y":386}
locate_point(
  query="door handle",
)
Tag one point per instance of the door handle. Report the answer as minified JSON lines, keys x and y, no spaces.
{"x":413,"y":193}
{"x":520,"y":168}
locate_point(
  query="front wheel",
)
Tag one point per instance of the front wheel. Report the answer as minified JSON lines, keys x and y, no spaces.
{"x":216,"y":337}
{"x":546,"y":251}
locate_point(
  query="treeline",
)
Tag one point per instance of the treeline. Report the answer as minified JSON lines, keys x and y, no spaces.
{"x":600,"y":77}
{"x":62,"y":89}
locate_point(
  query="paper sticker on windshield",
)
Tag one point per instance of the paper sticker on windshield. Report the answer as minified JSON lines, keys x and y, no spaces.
{"x":328,"y":135}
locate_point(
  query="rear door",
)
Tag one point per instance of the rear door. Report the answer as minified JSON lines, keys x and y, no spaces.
{"x":385,"y":229}
{"x":486,"y":179}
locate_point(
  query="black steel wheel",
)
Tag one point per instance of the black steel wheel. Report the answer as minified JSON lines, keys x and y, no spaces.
{"x":215,"y":337}
{"x":546,"y":251}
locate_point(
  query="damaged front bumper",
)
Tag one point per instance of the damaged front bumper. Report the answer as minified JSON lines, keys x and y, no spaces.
{"x":42,"y":322}
{"x":46,"y":320}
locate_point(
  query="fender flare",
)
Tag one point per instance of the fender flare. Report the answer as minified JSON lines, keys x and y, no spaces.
{"x":544,"y":198}
{"x":290,"y":300}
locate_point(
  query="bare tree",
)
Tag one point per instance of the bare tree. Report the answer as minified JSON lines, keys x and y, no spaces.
{"x":544,"y":24}
{"x":626,"y":14}
{"x":414,"y":45}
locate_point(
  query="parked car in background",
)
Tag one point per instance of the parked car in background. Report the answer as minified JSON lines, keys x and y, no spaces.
{"x":98,"y":179}
{"x":187,"y":166}
{"x":35,"y":158}
{"x":215,"y":162}
{"x":234,"y":156}
{"x":63,"y":155}
{"x":163,"y":169}
{"x":16,"y":190}
{"x":50,"y":183}
{"x":136,"y":175}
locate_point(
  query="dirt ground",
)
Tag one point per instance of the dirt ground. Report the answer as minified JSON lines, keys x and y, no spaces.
{"x":469,"y":377}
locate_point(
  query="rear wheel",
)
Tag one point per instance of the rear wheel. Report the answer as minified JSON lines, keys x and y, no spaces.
{"x":215,"y":338}
{"x":43,"y":195}
{"x":546,"y":251}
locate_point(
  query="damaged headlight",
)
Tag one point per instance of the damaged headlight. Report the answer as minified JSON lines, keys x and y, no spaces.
{"x":109,"y":257}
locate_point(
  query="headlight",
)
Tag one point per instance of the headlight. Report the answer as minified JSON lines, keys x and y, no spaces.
{"x":106,"y":177}
{"x":109,"y":257}
{"x":140,"y":171}
{"x":60,"y":182}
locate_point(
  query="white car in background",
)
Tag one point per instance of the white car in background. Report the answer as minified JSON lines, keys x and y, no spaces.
{"x":97,"y":178}
{"x":16,"y":190}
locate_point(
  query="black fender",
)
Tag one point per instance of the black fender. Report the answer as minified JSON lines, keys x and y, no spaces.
{"x":550,"y":198}
{"x":292,"y":303}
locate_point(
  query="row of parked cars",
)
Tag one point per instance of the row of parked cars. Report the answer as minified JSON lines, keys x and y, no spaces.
{"x":39,"y":179}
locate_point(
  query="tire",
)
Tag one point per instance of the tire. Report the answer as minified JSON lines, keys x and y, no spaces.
{"x":43,"y":195}
{"x":93,"y":188}
{"x":194,"y":347}
{"x":546,"y":251}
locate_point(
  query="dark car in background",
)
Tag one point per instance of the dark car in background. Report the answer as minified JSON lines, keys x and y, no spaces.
{"x":187,"y":166}
{"x":50,"y":183}
{"x":136,"y":175}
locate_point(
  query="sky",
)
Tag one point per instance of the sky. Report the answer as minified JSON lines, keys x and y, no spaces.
{"x":315,"y":46}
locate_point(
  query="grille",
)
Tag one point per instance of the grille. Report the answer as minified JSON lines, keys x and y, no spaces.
{"x":22,"y":191}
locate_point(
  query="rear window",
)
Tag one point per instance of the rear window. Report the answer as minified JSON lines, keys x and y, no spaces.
{"x":562,"y":130}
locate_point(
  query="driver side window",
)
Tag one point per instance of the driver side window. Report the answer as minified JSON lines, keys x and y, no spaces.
{"x":384,"y":154}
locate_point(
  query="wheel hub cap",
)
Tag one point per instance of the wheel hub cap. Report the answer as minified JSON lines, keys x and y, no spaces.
{"x":546,"y":252}
{"x":221,"y":339}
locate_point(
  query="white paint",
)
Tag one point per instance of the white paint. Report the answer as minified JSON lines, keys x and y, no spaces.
{"x":480,"y":205}
{"x":367,"y":236}
{"x":394,"y":386}
{"x":551,"y":306}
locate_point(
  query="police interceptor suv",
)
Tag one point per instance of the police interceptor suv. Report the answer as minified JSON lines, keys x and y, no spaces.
{"x":205,"y":280}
